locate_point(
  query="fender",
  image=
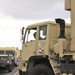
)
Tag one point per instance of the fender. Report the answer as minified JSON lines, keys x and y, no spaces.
{"x":33,"y":59}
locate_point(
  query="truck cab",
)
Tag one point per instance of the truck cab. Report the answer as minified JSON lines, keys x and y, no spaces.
{"x":14,"y":51}
{"x":40,"y":47}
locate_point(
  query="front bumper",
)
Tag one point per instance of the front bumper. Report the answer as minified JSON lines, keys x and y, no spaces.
{"x":4,"y":64}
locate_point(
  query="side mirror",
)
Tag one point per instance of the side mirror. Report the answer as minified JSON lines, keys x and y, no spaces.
{"x":22,"y":34}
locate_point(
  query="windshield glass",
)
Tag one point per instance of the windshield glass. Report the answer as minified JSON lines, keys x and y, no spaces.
{"x":10,"y":52}
{"x":30,"y":35}
{"x":1,"y":52}
{"x":43,"y":32}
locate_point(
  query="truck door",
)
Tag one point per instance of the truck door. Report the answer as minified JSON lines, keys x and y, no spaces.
{"x":42,"y":45}
{"x":29,"y":44}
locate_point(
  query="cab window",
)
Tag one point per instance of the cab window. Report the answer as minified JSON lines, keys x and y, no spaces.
{"x":30,"y":35}
{"x":1,"y":52}
{"x":10,"y":52}
{"x":42,"y":32}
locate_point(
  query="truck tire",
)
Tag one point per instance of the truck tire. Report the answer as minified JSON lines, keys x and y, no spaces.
{"x":13,"y":65}
{"x":41,"y":70}
{"x":20,"y":72}
{"x":10,"y":68}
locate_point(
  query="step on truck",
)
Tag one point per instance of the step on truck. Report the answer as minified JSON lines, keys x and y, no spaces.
{"x":48,"y":48}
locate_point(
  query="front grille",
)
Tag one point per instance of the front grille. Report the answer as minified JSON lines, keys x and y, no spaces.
{"x":1,"y":64}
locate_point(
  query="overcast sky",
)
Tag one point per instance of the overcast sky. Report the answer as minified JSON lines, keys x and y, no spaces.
{"x":14,"y":14}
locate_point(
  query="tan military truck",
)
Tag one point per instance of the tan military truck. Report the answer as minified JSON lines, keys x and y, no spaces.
{"x":11,"y":51}
{"x":7,"y":61}
{"x":48,"y":48}
{"x":40,"y":48}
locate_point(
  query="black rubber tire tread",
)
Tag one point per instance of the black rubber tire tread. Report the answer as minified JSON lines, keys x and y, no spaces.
{"x":10,"y":68}
{"x":13,"y":66}
{"x":20,"y":72}
{"x":41,"y":68}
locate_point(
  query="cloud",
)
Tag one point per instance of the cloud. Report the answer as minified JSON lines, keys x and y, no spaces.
{"x":34,"y":9}
{"x":10,"y":30}
{"x":15,"y":14}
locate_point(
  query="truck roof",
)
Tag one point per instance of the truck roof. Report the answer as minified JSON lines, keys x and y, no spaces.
{"x":9,"y":48}
{"x":44,"y":23}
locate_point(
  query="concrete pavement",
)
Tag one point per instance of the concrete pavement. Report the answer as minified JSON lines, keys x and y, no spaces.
{"x":5,"y":72}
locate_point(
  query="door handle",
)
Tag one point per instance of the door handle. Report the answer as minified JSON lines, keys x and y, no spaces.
{"x":26,"y":45}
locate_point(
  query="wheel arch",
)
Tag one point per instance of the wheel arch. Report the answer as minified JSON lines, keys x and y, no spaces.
{"x":35,"y":60}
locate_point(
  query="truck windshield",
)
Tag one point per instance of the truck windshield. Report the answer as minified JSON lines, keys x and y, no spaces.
{"x":30,"y":35}
{"x":1,"y":52}
{"x":10,"y":52}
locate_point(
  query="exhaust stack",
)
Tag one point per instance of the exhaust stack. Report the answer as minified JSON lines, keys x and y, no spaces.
{"x":61,"y":37}
{"x":62,"y":27}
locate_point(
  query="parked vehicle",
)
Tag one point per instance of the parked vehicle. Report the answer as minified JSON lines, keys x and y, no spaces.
{"x":11,"y":51}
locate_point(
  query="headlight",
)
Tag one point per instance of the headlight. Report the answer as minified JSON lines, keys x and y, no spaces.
{"x":8,"y":61}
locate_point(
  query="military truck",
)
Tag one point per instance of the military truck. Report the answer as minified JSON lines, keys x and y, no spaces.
{"x":7,"y":61}
{"x":11,"y":51}
{"x":48,"y":48}
{"x":40,"y":45}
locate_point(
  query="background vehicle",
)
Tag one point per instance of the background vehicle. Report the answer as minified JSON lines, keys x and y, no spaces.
{"x":48,"y":48}
{"x":11,"y":51}
{"x":7,"y":61}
